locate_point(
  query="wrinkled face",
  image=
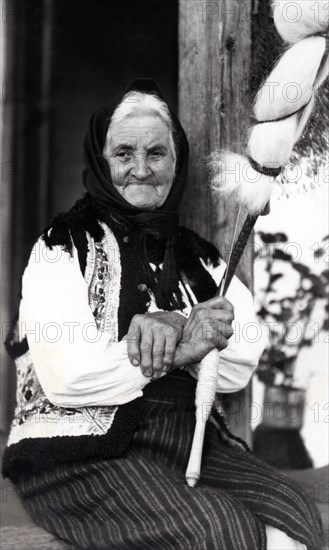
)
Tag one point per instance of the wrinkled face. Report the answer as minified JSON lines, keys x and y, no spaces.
{"x":141,"y":160}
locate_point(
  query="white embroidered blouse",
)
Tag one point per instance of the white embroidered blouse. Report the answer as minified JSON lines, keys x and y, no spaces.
{"x":80,"y":362}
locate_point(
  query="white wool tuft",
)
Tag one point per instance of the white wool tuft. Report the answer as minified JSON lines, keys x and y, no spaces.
{"x":290,"y":85}
{"x":232,"y":174}
{"x":298,"y":19}
{"x":271,"y":143}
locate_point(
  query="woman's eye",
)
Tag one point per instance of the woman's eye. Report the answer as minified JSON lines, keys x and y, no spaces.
{"x":123,"y":155}
{"x":156,"y":154}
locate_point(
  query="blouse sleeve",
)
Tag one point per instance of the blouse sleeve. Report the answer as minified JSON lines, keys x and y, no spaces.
{"x":240,"y":358}
{"x":76,"y":364}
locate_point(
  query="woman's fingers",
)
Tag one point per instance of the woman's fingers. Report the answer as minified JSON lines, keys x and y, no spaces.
{"x":133,"y":340}
{"x":146,"y":351}
{"x":153,"y":339}
{"x":140,"y":345}
{"x":222,"y":315}
{"x":169,"y":352}
{"x":226,"y":330}
{"x":222,"y":343}
{"x":164,"y":346}
{"x":159,"y":342}
{"x":212,"y":327}
{"x":202,"y":313}
{"x":217,"y":332}
{"x":216,"y":336}
{"x":219,"y":302}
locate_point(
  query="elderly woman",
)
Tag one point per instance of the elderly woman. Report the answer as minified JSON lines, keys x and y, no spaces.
{"x":117,"y":310}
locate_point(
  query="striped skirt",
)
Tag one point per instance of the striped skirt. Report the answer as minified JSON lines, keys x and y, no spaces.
{"x":141,"y":501}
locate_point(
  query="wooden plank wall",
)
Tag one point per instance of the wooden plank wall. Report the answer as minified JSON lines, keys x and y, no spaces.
{"x":214,"y":76}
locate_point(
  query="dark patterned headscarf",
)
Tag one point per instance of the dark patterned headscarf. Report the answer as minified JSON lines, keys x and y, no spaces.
{"x":159,"y":238}
{"x":157,"y":229}
{"x":97,"y":176}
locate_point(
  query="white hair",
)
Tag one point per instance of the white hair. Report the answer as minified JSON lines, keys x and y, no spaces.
{"x":136,"y":103}
{"x":282,"y":106}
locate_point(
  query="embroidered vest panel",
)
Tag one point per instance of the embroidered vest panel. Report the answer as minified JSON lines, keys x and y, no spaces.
{"x":44,"y":433}
{"x":35,"y":416}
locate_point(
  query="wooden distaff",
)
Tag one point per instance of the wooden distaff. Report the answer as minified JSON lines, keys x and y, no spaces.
{"x":207,"y":380}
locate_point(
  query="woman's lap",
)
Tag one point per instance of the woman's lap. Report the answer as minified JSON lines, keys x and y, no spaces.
{"x":141,"y":501}
{"x":130,"y":504}
{"x":274,"y":498}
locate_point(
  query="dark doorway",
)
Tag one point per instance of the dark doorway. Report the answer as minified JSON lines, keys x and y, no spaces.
{"x":63,"y":60}
{"x":98,"y":48}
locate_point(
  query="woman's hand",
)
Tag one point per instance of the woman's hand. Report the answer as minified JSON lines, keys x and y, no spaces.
{"x":208,"y":327}
{"x":152,"y":340}
{"x":160,"y":341}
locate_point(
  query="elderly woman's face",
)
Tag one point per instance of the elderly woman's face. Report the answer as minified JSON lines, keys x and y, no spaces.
{"x":141,"y":160}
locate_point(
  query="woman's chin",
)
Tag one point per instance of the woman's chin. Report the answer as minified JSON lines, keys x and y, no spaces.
{"x":143,"y":201}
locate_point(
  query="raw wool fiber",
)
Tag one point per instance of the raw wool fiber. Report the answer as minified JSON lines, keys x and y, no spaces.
{"x":267,"y":48}
{"x":278,"y":121}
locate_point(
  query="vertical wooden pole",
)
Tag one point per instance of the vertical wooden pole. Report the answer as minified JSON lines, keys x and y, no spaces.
{"x":214,"y":76}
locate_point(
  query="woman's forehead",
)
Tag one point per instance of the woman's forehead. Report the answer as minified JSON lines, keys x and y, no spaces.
{"x":141,"y":128}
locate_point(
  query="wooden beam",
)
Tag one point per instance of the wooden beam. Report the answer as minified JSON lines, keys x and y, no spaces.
{"x":214,"y":76}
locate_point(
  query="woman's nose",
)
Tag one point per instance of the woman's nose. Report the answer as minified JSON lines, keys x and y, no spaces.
{"x":140,"y":169}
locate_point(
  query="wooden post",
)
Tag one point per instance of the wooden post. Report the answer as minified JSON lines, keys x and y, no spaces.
{"x":214,"y":76}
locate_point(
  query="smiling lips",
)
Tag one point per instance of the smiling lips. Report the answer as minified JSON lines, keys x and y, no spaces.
{"x":134,"y":182}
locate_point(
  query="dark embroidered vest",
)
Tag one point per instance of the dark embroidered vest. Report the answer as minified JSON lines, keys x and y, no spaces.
{"x":109,"y":428}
